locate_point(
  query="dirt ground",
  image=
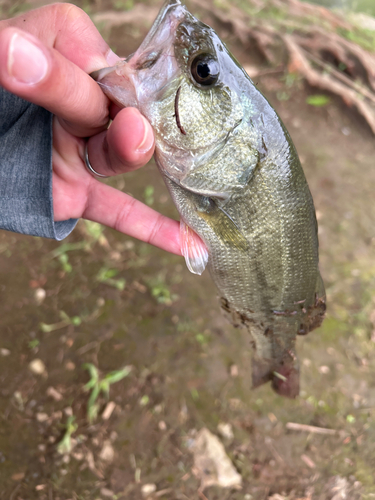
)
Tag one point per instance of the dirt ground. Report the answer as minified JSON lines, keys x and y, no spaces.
{"x":104,"y":299}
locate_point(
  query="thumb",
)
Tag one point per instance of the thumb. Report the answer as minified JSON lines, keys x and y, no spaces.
{"x":41,"y":75}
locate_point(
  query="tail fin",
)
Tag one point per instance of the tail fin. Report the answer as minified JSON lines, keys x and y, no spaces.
{"x":284,"y":377}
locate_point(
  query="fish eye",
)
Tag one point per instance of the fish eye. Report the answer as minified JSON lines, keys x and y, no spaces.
{"x":205,"y":69}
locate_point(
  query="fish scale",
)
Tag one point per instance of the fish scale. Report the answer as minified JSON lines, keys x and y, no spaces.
{"x":235,"y":177}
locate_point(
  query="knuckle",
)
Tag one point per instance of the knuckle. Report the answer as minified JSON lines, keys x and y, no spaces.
{"x":155,"y":229}
{"x":123,"y":214}
{"x":71,"y":16}
{"x":68,"y":11}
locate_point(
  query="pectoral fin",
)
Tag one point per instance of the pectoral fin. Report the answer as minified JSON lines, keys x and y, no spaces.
{"x":225,"y":228}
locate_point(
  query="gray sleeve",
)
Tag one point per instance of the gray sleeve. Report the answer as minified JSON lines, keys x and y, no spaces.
{"x":26,"y":170}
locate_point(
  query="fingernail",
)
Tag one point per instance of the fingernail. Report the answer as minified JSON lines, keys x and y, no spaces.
{"x":148,"y":137}
{"x":111,"y":58}
{"x":26,"y":61}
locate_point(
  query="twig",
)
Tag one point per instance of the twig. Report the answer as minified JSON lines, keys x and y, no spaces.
{"x":314,"y":78}
{"x":160,"y":493}
{"x":310,"y":463}
{"x":91,"y":345}
{"x":12,"y":496}
{"x":310,"y":428}
{"x":346,"y":80}
{"x":202,"y":496}
{"x":366,"y":410}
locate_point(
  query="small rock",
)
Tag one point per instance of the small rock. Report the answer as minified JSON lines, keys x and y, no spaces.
{"x":324,"y":369}
{"x":107,"y":493}
{"x":78,"y":455}
{"x":107,"y":453}
{"x":100,"y":302}
{"x":233,"y":371}
{"x":113,"y":436}
{"x":139,"y":287}
{"x":272,"y":417}
{"x":108,"y":410}
{"x":114,"y":255}
{"x":18,"y":399}
{"x":211,"y":463}
{"x":148,"y":489}
{"x":57,"y":415}
{"x":39,"y":295}
{"x":4,"y":352}
{"x":158,"y":409}
{"x":37,"y":366}
{"x":128,"y":245}
{"x":68,"y":411}
{"x":69,"y":365}
{"x":54,"y":394}
{"x":69,"y":342}
{"x":235,"y":404}
{"x":162,"y":425}
{"x":225,"y":430}
{"x":18,"y":476}
{"x":41,"y":417}
{"x":339,"y":488}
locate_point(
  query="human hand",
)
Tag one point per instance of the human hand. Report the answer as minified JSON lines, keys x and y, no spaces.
{"x":45,"y":58}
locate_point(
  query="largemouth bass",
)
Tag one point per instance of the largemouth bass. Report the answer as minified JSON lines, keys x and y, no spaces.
{"x":235,"y":177}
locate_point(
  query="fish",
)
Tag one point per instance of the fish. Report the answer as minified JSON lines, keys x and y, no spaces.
{"x":246,"y":211}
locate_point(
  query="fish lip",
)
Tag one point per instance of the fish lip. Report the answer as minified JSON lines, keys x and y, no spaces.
{"x":101,"y":73}
{"x":159,"y":37}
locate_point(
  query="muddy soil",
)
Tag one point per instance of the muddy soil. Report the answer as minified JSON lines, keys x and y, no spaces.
{"x":105,"y":299}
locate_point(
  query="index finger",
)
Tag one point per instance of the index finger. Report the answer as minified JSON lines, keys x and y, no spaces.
{"x":120,"y":211}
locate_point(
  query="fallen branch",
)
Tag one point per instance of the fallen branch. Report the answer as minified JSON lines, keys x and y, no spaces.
{"x":317,"y":52}
{"x":310,"y":428}
{"x":308,"y":40}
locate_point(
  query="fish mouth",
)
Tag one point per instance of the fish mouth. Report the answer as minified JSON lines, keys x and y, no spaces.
{"x":147,"y":72}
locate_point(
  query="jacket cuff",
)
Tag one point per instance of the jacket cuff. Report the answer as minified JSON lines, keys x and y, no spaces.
{"x":26,"y":204}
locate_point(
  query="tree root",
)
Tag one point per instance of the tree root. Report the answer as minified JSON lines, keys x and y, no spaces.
{"x":309,"y":41}
{"x":300,"y":38}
